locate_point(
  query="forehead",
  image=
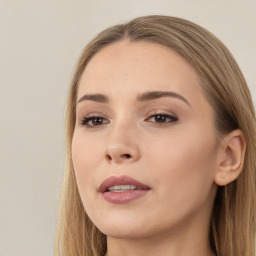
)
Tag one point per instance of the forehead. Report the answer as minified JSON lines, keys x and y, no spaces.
{"x":126,"y":65}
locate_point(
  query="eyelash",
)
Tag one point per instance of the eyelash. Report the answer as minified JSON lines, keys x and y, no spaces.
{"x":103,"y":121}
{"x":85,"y":121}
{"x":163,"y":117}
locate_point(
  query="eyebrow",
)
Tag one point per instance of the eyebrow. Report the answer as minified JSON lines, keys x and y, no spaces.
{"x":160,"y":94}
{"x":147,"y":96}
{"x":94,"y":97}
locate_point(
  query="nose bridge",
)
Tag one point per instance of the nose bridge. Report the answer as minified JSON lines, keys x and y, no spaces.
{"x":121,"y":144}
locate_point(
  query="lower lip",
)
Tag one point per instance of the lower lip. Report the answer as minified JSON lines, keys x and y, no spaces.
{"x":123,"y":197}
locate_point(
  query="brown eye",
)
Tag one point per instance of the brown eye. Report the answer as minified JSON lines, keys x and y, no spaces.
{"x":93,"y":121}
{"x":162,"y":118}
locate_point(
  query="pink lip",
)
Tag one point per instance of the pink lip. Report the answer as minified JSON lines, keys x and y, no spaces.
{"x":122,"y":197}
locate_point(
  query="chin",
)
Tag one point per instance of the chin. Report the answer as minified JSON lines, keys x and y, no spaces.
{"x":119,"y":233}
{"x":121,"y":228}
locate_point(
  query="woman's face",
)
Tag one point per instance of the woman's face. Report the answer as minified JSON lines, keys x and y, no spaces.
{"x":142,"y":120}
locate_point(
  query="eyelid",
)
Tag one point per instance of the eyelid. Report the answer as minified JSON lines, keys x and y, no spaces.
{"x":161,"y":112}
{"x":173,"y":117}
{"x":87,"y":118}
{"x":165,"y":115}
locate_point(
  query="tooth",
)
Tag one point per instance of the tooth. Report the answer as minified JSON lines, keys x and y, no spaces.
{"x":121,"y":188}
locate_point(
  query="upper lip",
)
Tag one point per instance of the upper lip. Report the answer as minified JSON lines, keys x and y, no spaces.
{"x":120,"y":180}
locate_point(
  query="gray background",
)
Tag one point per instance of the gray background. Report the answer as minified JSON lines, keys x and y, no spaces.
{"x":39,"y":45}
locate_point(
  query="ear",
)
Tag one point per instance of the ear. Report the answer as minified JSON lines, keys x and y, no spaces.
{"x":231,"y":158}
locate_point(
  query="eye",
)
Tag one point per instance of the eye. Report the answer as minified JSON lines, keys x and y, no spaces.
{"x":93,"y":121}
{"x":162,"y":118}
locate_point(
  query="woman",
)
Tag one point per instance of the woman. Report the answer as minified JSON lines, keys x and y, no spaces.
{"x":161,"y":143}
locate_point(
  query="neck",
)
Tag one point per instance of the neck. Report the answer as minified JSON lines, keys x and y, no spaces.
{"x":190,"y":237}
{"x":163,"y":245}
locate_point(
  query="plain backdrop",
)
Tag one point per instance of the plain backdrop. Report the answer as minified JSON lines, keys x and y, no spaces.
{"x":40,"y":42}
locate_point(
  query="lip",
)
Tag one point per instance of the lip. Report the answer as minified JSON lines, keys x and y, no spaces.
{"x":122,"y":197}
{"x":120,"y":180}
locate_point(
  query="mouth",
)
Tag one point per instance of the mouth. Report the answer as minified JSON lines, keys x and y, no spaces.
{"x":122,"y":189}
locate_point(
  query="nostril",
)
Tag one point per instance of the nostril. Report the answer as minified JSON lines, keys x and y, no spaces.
{"x":108,"y":157}
{"x":126,"y":156}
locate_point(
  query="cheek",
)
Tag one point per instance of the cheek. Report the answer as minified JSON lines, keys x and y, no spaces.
{"x":184,"y":164}
{"x":86,"y":152}
{"x":86,"y":156}
{"x":183,"y":177}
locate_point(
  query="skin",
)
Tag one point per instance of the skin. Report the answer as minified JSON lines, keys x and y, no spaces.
{"x":177,"y":158}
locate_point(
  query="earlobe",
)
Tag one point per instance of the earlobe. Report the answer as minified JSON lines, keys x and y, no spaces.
{"x":231,"y":159}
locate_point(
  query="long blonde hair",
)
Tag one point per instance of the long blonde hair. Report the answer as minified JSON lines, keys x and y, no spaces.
{"x":232,"y":230}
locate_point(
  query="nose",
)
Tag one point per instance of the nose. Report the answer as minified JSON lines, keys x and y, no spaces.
{"x":122,"y":147}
